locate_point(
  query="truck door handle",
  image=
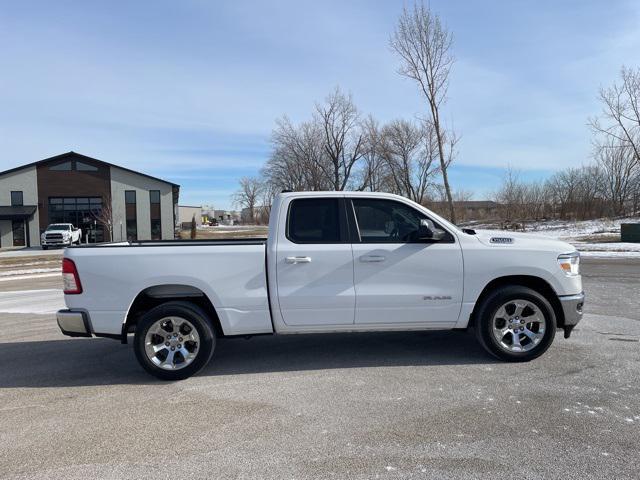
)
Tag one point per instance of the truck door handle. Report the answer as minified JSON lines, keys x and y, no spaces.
{"x":372,"y":258}
{"x":298,"y":260}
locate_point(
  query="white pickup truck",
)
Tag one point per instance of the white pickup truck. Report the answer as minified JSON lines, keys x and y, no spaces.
{"x":333,"y":262}
{"x":60,"y":234}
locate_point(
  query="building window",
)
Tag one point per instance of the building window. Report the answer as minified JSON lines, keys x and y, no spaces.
{"x":131,"y":215}
{"x":16,"y":199}
{"x":81,"y":212}
{"x":19,"y":235}
{"x":85,"y":167}
{"x":154,"y":212}
{"x":64,"y":166}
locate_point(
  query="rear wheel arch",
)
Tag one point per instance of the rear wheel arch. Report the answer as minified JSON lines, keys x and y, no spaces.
{"x":537,"y":284}
{"x":156,"y":295}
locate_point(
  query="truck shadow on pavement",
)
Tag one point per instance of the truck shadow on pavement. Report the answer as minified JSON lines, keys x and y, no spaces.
{"x":90,"y":362}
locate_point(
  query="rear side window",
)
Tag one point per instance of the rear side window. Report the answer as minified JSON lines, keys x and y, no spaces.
{"x":314,"y":220}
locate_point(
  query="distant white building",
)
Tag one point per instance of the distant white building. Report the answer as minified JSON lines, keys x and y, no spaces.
{"x":260,"y":215}
{"x":186,"y":213}
{"x":106,"y":201}
{"x":227,"y":217}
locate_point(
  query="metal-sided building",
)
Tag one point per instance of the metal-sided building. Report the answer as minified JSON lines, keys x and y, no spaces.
{"x":106,"y":201}
{"x":186,"y":213}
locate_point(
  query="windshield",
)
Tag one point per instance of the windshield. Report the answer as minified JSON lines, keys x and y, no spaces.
{"x":59,"y":226}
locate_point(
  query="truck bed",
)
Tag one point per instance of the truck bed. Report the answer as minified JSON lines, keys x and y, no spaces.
{"x":230,"y":272}
{"x":177,"y":242}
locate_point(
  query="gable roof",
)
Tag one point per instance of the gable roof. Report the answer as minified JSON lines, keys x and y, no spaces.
{"x":85,"y":157}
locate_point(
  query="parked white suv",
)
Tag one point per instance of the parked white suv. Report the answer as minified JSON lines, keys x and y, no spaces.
{"x":60,"y":234}
{"x":333,"y":262}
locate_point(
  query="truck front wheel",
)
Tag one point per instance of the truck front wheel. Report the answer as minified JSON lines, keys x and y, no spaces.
{"x":174,"y":340}
{"x":515,"y":323}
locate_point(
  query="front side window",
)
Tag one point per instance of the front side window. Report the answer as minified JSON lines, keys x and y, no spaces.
{"x":16,"y":199}
{"x":314,"y":220}
{"x":388,"y":221}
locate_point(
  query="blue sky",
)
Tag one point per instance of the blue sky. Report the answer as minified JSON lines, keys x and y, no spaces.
{"x":189,"y":90}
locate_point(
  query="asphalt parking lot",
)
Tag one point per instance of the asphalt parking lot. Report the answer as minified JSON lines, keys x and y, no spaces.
{"x":392,"y":405}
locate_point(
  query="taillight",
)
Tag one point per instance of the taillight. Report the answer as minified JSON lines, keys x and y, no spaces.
{"x":70,"y":277}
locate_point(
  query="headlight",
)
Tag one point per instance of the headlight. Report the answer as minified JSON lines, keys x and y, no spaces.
{"x":570,"y":263}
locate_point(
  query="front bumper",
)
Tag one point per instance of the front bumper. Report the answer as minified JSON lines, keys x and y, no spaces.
{"x":74,"y":323}
{"x":55,"y":243}
{"x":572,"y":309}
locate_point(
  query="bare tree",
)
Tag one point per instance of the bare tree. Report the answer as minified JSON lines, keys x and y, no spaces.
{"x":105,"y":217}
{"x":339,"y":119}
{"x":247,"y":196}
{"x":510,"y":194}
{"x":193,"y":232}
{"x":373,"y":174}
{"x":621,"y":170}
{"x":409,"y":153}
{"x":424,"y":45}
{"x":619,"y":122}
{"x":461,"y":197}
{"x":297,"y":161}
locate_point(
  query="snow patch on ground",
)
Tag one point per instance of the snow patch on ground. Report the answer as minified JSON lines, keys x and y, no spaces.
{"x":28,"y":271}
{"x":30,"y":252}
{"x":28,"y":277}
{"x":584,"y":235}
{"x":609,"y":254}
{"x":574,"y":230}
{"x":42,"y":302}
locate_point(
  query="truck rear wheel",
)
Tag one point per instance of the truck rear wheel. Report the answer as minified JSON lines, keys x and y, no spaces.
{"x":174,"y":340}
{"x":515,"y":323}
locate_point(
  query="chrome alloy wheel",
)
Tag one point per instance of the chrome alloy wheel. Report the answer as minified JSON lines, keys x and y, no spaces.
{"x":172,"y":343}
{"x":518,"y":326}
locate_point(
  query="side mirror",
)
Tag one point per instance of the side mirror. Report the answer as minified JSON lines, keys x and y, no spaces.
{"x":428,"y":231}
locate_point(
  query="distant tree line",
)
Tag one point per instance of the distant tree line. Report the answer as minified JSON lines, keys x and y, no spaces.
{"x":608,"y":186}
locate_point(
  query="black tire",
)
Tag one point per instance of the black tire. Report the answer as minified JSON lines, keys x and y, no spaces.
{"x":44,"y":247}
{"x":483,"y":325}
{"x":201,"y":322}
